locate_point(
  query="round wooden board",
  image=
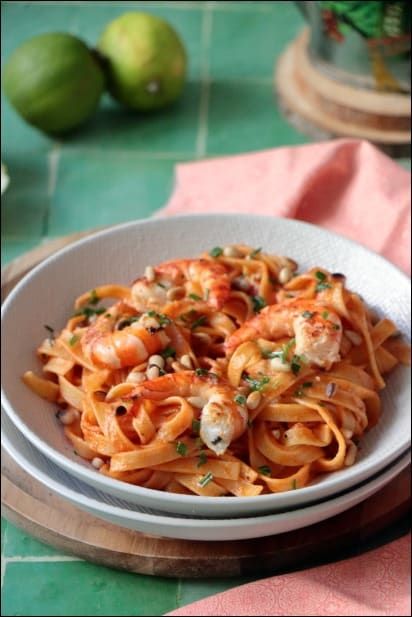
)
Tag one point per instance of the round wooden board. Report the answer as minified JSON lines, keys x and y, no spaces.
{"x":325,"y":108}
{"x":32,"y":507}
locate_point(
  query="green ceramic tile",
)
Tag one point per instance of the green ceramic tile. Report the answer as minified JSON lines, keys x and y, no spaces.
{"x":191,"y":590}
{"x":94,"y":17}
{"x":80,"y":588}
{"x":11,"y":248}
{"x":246,"y":44}
{"x":115,"y":128}
{"x":4,"y":525}
{"x":245,"y":117}
{"x":19,"y":543}
{"x":22,"y":20}
{"x":25,"y":203}
{"x":101,"y":189}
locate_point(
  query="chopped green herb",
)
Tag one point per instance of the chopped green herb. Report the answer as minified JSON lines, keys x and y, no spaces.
{"x":207,"y":293}
{"x":255,"y":253}
{"x":73,"y":340}
{"x":256,"y":385}
{"x":181,"y":448}
{"x":198,"y":322}
{"x":75,"y":452}
{"x":185,"y":317}
{"x":295,"y":364}
{"x":320,"y":276}
{"x":264,"y":470}
{"x":240,"y":399}
{"x":94,"y":298}
{"x":322,"y":286}
{"x":258,"y":303}
{"x":169,"y":352}
{"x":336,"y":326}
{"x":307,"y":314}
{"x":325,"y":314}
{"x":273,"y":354}
{"x":50,"y":336}
{"x":88,"y":311}
{"x":294,"y":484}
{"x":301,"y":390}
{"x":161,"y":318}
{"x":204,"y":481}
{"x":216,"y":252}
{"x":161,"y":285}
{"x":216,"y":440}
{"x":194,"y":297}
{"x":202,"y":459}
{"x":201,"y":372}
{"x":196,"y":426}
{"x":127,"y":321}
{"x":107,"y":315}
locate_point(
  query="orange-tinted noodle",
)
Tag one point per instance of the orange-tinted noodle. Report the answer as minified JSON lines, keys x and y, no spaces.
{"x":229,"y":374}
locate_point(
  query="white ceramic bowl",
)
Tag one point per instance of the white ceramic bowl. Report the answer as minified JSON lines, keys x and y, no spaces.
{"x":120,"y":254}
{"x":121,"y":512}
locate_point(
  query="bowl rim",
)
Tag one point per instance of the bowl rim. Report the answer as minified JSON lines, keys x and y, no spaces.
{"x":305,"y":494}
{"x":398,"y":464}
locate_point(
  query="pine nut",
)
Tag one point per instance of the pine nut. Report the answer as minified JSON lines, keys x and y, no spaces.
{"x":97,"y":462}
{"x":253,"y":400}
{"x":186,"y":361}
{"x":284,"y":275}
{"x":354,"y":337}
{"x":177,"y":367}
{"x":196,"y":401}
{"x":347,"y":433}
{"x":203,"y":337}
{"x":175,"y":293}
{"x":231,"y":251}
{"x":135,"y":377}
{"x":157,"y":360}
{"x":150,"y":273}
{"x":276,"y":433}
{"x":241,"y":283}
{"x":153,"y":372}
{"x":276,"y":364}
{"x":67,"y":416}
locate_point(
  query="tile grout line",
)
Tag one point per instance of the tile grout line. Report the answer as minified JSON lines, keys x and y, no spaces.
{"x":3,"y":560}
{"x":41,"y":559}
{"x":53,"y":159}
{"x":201,"y":140}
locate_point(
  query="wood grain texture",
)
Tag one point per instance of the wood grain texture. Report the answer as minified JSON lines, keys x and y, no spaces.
{"x":38,"y":511}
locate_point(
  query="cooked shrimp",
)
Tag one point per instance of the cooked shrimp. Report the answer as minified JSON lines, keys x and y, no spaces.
{"x":174,"y":280}
{"x":117,"y":348}
{"x":316,"y":328}
{"x":222,"y":420}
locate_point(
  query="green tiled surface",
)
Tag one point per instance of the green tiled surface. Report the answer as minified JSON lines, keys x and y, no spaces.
{"x":119,"y":167}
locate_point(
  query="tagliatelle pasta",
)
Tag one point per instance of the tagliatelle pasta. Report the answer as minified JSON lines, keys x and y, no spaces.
{"x":228,"y":374}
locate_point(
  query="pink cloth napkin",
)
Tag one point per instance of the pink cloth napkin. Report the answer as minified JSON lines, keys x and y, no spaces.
{"x":345,"y":185}
{"x":375,"y":583}
{"x":350,"y":187}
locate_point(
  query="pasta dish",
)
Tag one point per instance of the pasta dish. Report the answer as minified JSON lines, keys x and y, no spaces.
{"x":226,"y":374}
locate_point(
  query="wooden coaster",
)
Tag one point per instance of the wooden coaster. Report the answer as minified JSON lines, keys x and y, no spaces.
{"x":49,"y":518}
{"x":327,"y":108}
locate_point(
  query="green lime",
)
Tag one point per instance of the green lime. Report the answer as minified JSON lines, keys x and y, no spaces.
{"x":146,"y":61}
{"x":54,"y":81}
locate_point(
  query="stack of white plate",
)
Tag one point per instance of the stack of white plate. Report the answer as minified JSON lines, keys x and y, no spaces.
{"x":33,"y":437}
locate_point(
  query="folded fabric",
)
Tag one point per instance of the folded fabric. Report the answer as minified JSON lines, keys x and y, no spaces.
{"x":375,"y":583}
{"x":345,"y":185}
{"x":350,"y":187}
